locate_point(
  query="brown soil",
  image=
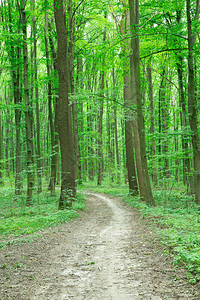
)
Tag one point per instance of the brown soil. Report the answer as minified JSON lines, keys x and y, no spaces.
{"x":108,"y":253}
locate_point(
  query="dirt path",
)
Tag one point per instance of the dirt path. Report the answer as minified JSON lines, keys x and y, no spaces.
{"x":103,"y":255}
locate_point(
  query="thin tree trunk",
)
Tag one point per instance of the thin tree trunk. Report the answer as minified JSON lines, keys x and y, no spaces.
{"x":7,"y":138}
{"x":56,"y":108}
{"x":52,"y":129}
{"x":100,"y":130}
{"x":116,"y":129}
{"x":185,"y":148}
{"x":79,"y":84}
{"x":72,"y":89}
{"x":28,"y":110}
{"x":165,"y":114}
{"x":39,"y":165}
{"x":192,"y":101}
{"x":176,"y":146}
{"x":108,"y":141}
{"x":14,"y":55}
{"x":153,"y":147}
{"x":17,"y":100}
{"x":160,"y":122}
{"x":56,"y":104}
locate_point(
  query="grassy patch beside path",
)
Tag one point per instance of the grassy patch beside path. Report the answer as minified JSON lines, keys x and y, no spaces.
{"x":177,"y":222}
{"x":17,"y":219}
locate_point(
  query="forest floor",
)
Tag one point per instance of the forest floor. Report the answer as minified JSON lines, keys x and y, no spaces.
{"x":107,"y":253}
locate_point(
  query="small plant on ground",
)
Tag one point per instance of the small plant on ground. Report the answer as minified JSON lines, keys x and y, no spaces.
{"x":18,"y":219}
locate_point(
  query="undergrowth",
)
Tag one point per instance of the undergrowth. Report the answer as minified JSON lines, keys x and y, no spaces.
{"x":176,"y":219}
{"x":17,"y":219}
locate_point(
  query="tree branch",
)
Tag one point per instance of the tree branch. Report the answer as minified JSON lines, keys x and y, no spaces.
{"x":167,"y":79}
{"x":164,"y":50}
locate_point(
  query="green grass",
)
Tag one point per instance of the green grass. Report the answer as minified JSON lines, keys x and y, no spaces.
{"x":175,"y":218}
{"x":17,"y":219}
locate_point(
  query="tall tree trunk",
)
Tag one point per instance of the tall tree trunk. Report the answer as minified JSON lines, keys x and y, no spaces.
{"x":130,"y":161}
{"x":89,"y":166}
{"x":64,"y":110}
{"x":39,"y":165}
{"x":72,"y":89}
{"x":153,"y":147}
{"x":117,"y":145}
{"x":109,"y":156}
{"x":28,"y":107}
{"x":160,"y":122}
{"x":17,"y":101}
{"x":100,"y":130}
{"x":116,"y":128}
{"x":56,"y":159}
{"x":176,"y":146}
{"x":14,"y":55}
{"x":130,"y":123}
{"x":165,"y":113}
{"x":185,"y":148}
{"x":135,"y":83}
{"x":79,"y":84}
{"x":51,"y":123}
{"x":192,"y":101}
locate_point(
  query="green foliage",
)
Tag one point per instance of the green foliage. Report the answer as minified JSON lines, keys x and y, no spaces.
{"x":18,"y":219}
{"x":177,"y":221}
{"x":112,"y":188}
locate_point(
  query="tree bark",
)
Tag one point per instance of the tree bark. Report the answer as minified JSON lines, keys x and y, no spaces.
{"x":183,"y":116}
{"x":14,"y":54}
{"x":135,"y":83}
{"x":56,"y":159}
{"x":192,"y":101}
{"x":28,"y":107}
{"x":153,"y":147}
{"x":130,"y":161}
{"x":64,"y":110}
{"x":164,"y":124}
{"x":38,"y":155}
{"x":116,"y":129}
{"x":72,"y":89}
{"x":100,"y":129}
{"x":51,"y":123}
{"x":160,"y":123}
{"x":130,"y":121}
{"x":79,"y":84}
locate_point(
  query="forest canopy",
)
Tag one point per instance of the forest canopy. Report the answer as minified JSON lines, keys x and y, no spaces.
{"x":102,"y":91}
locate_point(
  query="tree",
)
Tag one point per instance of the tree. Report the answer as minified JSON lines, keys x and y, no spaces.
{"x":192,"y":100}
{"x":28,"y":106}
{"x":64,"y":110}
{"x":130,"y":118}
{"x":14,"y":50}
{"x":136,"y":84}
{"x":100,"y":129}
{"x":153,"y":147}
{"x":38,"y":153}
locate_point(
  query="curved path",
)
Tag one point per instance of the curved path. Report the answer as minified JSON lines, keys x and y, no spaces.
{"x":103,"y":255}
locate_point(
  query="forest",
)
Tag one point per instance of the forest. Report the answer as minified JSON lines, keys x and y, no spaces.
{"x":101,"y":96}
